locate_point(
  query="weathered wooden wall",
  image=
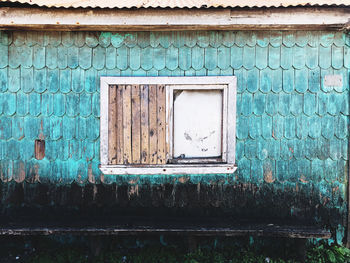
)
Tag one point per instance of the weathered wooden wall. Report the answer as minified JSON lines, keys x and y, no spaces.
{"x":292,"y":131}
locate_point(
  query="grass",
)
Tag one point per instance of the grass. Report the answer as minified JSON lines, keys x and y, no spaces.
{"x":45,"y":250}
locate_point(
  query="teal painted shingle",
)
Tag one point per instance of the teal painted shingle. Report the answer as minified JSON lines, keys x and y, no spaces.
{"x":65,"y":80}
{"x":314,"y":77}
{"x":284,"y":104}
{"x":73,"y":57}
{"x":98,"y":57}
{"x":197,"y":58}
{"x":3,"y":79}
{"x":67,"y":38}
{"x":296,"y":105}
{"x":274,"y":57}
{"x":299,"y":57}
{"x":171,"y":58}
{"x":62,"y":57}
{"x":39,"y":80}
{"x":72,"y":104}
{"x":276,"y":38}
{"x":185,"y":58}
{"x":248,"y":57}
{"x":91,"y":39}
{"x":288,"y":39}
{"x":289,"y":125}
{"x":337,"y":57}
{"x":85,"y":57}
{"x":258,"y":104}
{"x":265,"y":80}
{"x":302,"y":127}
{"x":5,"y":131}
{"x":301,"y":80}
{"x":266,"y":129}
{"x":326,"y":39}
{"x":311,"y":57}
{"x":9,"y":102}
{"x":146,"y":59}
{"x":277,"y":80}
{"x":325,"y":57}
{"x":34,"y":104}
{"x":236,"y":57}
{"x":51,"y":57}
{"x":261,"y":57}
{"x":286,"y":57}
{"x":52,"y":80}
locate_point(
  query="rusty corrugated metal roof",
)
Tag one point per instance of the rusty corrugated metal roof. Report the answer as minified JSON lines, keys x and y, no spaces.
{"x":177,"y":3}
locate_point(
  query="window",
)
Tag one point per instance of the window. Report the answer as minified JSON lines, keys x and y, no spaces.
{"x":168,"y":125}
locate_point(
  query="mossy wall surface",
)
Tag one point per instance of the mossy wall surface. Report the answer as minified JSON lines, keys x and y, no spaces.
{"x":292,"y":131}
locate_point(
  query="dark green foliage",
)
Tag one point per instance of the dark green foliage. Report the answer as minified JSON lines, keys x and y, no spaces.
{"x":129,"y":250}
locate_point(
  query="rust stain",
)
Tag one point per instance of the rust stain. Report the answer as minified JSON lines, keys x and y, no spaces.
{"x":133,"y":190}
{"x":335,"y":189}
{"x":268,"y":177}
{"x":94,"y":192}
{"x":102,"y":178}
{"x":35,"y":177}
{"x":273,"y":134}
{"x":303,"y":179}
{"x":134,"y":181}
{"x":91,"y":177}
{"x":21,"y":174}
{"x":183,"y":179}
{"x":198,"y":189}
{"x":79,"y":180}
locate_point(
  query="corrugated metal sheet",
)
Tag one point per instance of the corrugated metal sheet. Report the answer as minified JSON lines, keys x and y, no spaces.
{"x":178,"y":3}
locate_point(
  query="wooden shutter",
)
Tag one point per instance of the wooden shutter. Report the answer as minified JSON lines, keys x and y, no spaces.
{"x":136,"y":124}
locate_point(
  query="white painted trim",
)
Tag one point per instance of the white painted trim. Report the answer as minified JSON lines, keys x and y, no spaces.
{"x":104,"y":112}
{"x":181,"y":169}
{"x":171,"y":83}
{"x":173,"y":19}
{"x":231,"y":121}
{"x":224,"y":145}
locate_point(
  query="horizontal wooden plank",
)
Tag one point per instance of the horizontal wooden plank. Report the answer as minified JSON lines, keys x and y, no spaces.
{"x":306,"y":18}
{"x":168,"y":169}
{"x":207,"y":80}
{"x":251,"y":230}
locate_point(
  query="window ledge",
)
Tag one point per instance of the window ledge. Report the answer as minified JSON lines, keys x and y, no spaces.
{"x":168,"y":169}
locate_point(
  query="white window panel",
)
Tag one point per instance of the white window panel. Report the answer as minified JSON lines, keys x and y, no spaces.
{"x":197,"y":123}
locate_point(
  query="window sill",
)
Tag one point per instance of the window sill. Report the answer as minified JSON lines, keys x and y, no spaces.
{"x":168,"y":169}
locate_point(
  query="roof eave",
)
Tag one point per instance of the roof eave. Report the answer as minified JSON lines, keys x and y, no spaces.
{"x":308,"y":18}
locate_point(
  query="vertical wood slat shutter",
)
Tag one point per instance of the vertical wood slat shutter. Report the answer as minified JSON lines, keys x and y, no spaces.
{"x":136,"y":124}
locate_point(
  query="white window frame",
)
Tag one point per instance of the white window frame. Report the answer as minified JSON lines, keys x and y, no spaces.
{"x":229,"y":125}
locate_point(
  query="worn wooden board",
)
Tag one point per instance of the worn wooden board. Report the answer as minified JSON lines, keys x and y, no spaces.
{"x":144,"y":125}
{"x":119,"y":133}
{"x":136,"y":124}
{"x":153,"y":129}
{"x":127,"y":124}
{"x":176,"y":19}
{"x":161,"y":124}
{"x":112,"y":124}
{"x":200,"y":230}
